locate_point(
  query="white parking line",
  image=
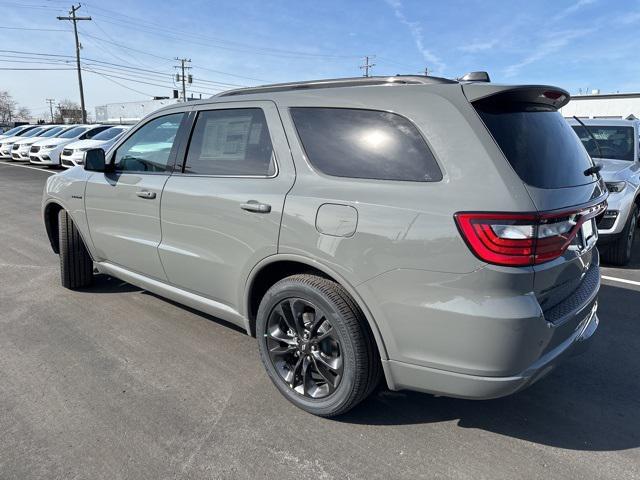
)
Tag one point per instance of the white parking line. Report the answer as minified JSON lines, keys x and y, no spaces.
{"x":29,"y":167}
{"x":621,"y":280}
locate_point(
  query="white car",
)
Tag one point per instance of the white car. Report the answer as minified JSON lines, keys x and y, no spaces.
{"x":16,"y":131}
{"x":20,"y":149}
{"x":73,"y":154}
{"x":47,"y":151}
{"x":8,"y":143}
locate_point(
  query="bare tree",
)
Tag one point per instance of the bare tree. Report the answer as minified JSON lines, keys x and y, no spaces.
{"x":23,"y":114}
{"x":7,"y":107}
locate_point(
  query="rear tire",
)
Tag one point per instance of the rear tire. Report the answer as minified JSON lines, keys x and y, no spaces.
{"x":298,"y":368}
{"x":76,"y":266}
{"x":619,"y":252}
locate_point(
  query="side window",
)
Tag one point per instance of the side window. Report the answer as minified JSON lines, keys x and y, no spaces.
{"x":231,"y":142}
{"x":149,"y":148}
{"x":364,"y":144}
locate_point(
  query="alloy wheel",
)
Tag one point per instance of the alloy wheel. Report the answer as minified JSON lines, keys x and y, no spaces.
{"x":304,"y":348}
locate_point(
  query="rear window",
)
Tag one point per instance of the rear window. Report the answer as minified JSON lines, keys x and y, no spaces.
{"x":614,"y":141}
{"x":364,"y":144}
{"x":538,"y":143}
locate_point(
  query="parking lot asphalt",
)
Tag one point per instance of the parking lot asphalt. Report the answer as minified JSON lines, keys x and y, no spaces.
{"x":116,"y":383}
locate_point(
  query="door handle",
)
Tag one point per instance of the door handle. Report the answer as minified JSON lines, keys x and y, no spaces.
{"x":257,"y":207}
{"x":146,"y":194}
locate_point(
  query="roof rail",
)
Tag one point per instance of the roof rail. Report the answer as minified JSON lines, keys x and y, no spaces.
{"x":338,"y":82}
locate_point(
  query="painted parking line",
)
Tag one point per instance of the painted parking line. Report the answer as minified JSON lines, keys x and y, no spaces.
{"x":621,"y":280}
{"x":50,"y":172}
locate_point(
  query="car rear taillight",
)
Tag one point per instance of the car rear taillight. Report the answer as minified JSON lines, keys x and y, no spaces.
{"x":521,"y":239}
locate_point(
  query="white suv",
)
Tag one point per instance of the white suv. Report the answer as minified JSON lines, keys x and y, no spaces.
{"x":47,"y":151}
{"x":73,"y":153}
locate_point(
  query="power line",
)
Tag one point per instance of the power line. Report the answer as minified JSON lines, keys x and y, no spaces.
{"x":75,"y":19}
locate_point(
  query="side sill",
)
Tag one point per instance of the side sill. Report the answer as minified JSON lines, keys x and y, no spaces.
{"x":176,"y":294}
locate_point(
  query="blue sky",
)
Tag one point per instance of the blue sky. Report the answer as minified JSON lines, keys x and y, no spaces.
{"x":575,"y":44}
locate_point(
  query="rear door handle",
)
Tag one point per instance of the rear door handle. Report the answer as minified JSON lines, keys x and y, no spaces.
{"x":257,"y":207}
{"x":146,"y":194}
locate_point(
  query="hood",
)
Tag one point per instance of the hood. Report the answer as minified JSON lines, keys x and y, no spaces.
{"x":611,"y":168}
{"x":11,"y":139}
{"x":30,"y":140}
{"x":53,"y":141}
{"x":85,"y":144}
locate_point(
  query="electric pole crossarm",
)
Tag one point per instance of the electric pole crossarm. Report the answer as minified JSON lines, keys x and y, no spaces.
{"x":75,"y":19}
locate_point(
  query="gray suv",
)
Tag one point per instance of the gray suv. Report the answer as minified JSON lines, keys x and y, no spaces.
{"x":438,"y":233}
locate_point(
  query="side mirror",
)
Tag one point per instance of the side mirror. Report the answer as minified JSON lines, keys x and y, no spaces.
{"x":94,"y":161}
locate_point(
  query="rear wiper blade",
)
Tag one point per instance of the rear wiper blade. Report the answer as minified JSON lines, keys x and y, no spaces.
{"x":593,"y":170}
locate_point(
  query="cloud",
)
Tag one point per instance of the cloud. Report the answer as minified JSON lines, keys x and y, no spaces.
{"x":478,"y":46}
{"x":572,"y":9}
{"x":434,"y":63}
{"x":551,"y":43}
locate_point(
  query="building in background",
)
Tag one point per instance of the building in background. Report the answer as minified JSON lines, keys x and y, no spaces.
{"x":130,"y":112}
{"x":603,"y":105}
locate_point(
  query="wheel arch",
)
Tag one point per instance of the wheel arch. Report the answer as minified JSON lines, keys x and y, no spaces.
{"x":275,"y":268}
{"x":50,"y":214}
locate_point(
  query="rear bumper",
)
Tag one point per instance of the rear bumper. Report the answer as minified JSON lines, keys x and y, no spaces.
{"x":478,"y":335}
{"x":440,"y":382}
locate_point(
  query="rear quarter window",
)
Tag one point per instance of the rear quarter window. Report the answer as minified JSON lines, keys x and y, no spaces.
{"x":366,"y":144}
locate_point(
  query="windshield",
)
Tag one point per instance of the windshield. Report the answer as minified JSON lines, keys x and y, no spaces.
{"x":74,"y":132}
{"x":615,"y":141}
{"x":52,"y":132}
{"x":538,"y":143}
{"x":13,"y":131}
{"x":34,"y":132}
{"x":109,"y":134}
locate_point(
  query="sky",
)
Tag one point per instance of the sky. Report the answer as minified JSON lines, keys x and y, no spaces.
{"x":130,"y":45}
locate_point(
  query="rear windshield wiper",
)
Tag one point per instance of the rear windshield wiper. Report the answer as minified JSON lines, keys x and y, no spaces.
{"x":596,"y":168}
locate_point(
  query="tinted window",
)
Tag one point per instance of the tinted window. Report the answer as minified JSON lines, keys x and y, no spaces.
{"x":74,"y":132}
{"x":538,"y":143}
{"x":614,"y":141}
{"x":149,"y":148}
{"x":109,"y":133}
{"x":94,"y":131}
{"x":364,"y":144}
{"x":231,"y":142}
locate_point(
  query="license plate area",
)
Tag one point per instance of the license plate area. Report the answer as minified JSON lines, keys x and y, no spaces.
{"x":588,"y":233}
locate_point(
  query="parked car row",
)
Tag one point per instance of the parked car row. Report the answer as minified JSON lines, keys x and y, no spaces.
{"x":57,"y":145}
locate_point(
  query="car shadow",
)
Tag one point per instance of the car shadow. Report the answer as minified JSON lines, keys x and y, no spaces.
{"x":106,"y":284}
{"x":591,"y":402}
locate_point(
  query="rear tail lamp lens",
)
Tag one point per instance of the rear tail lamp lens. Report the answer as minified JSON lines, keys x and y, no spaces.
{"x":521,"y":239}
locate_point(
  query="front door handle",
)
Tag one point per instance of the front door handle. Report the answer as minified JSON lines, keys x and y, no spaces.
{"x":257,"y":207}
{"x":146,"y":194}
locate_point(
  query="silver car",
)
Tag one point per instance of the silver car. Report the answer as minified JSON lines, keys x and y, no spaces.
{"x":615,"y":144}
{"x":438,"y":233}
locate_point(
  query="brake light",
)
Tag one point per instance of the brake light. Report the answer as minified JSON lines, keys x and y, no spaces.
{"x":521,"y":239}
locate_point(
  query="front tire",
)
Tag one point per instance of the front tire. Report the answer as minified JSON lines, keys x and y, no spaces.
{"x":316,"y":346}
{"x":619,"y":252}
{"x":76,"y":266}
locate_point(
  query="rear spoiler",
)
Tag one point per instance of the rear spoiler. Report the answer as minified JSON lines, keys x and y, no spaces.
{"x":541,"y":94}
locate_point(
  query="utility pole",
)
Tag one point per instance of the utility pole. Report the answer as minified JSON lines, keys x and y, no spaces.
{"x":426,"y":71}
{"x":367,"y":65}
{"x":50,"y":102}
{"x":75,"y":19}
{"x":182,"y":77}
